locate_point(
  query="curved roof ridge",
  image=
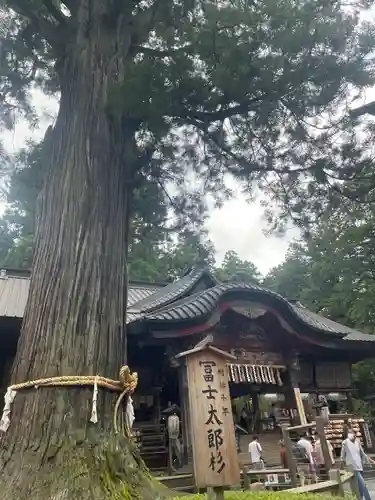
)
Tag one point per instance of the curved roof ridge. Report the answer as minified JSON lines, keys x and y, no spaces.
{"x":206,"y":301}
{"x":173,"y":291}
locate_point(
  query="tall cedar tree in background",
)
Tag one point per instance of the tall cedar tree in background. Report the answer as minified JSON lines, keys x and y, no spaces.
{"x":166,"y":90}
{"x":331,"y":271}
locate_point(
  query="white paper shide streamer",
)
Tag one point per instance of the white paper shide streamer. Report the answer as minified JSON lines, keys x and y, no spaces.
{"x":94,"y":413}
{"x":8,"y":400}
{"x":130,"y":412}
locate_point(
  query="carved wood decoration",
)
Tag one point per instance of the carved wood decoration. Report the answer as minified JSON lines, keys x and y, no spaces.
{"x":332,"y":375}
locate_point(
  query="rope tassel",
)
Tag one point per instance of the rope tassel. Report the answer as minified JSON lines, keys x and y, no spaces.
{"x":94,"y":412}
{"x":126,"y":384}
{"x":8,"y":400}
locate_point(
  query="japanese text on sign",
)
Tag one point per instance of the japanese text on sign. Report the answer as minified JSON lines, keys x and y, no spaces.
{"x":214,"y":430}
{"x":213,"y":438}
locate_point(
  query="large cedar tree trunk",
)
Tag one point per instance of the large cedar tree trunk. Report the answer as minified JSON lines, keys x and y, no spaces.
{"x":74,"y":322}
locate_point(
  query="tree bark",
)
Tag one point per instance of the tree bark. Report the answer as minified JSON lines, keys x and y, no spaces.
{"x":74,"y":322}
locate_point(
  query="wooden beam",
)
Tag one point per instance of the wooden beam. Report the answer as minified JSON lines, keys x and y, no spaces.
{"x":224,"y":354}
{"x":301,"y":427}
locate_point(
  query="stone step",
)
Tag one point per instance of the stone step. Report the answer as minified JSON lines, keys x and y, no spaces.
{"x":270,"y":446}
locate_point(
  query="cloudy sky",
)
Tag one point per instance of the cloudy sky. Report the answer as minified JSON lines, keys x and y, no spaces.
{"x":239,"y":226}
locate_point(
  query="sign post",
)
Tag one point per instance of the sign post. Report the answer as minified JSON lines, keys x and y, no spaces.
{"x":212,"y":429}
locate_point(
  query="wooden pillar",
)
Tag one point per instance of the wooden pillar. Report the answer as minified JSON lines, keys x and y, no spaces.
{"x":293,"y":371}
{"x":255,"y":401}
{"x":215,"y":493}
{"x":323,"y":443}
{"x":157,"y":405}
{"x":184,"y":405}
{"x":335,"y":475}
{"x":289,"y":456}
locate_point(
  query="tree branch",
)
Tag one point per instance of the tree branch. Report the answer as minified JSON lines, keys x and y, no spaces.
{"x":363,"y":110}
{"x":207,"y":117}
{"x":162,"y":53}
{"x":46,"y":29}
{"x":72,"y":6}
{"x":55,"y":12}
{"x":243,"y":162}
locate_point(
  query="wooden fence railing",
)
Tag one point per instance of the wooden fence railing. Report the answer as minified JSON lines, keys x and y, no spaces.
{"x":340,"y":483}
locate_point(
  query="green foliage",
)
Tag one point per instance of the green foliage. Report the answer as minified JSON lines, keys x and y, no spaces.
{"x":331,"y":271}
{"x":169,"y":260}
{"x":235,"y":269}
{"x":261,"y":495}
{"x":290,"y":278}
{"x":237,"y":88}
{"x":155,"y":251}
{"x":202,"y":83}
{"x":18,"y":222}
{"x":360,"y":407}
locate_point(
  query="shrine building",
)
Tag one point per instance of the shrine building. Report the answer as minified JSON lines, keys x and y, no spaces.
{"x":281,"y":349}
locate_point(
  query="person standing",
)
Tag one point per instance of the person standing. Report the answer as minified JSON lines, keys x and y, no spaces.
{"x":305,"y":460}
{"x":304,"y":444}
{"x":354,"y":457}
{"x":255,"y":452}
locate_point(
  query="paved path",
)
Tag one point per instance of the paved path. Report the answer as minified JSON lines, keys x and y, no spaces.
{"x":371,"y":487}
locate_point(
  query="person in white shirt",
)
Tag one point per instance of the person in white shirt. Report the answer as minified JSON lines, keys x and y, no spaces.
{"x":255,"y":452}
{"x":306,"y":465}
{"x":305,"y":444}
{"x":354,"y":457}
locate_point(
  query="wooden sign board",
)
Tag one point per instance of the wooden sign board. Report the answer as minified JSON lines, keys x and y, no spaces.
{"x":212,"y":429}
{"x":300,"y":407}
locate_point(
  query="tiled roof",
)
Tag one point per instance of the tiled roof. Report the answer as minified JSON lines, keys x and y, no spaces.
{"x":14,"y":291}
{"x":320,"y":322}
{"x":171,"y":303}
{"x":137,"y":293}
{"x":170,"y":293}
{"x":205,"y":302}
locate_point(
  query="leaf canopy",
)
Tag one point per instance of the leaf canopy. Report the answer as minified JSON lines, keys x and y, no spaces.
{"x":235,"y":87}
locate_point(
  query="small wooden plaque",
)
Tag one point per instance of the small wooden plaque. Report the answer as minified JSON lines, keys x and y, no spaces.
{"x":212,"y":429}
